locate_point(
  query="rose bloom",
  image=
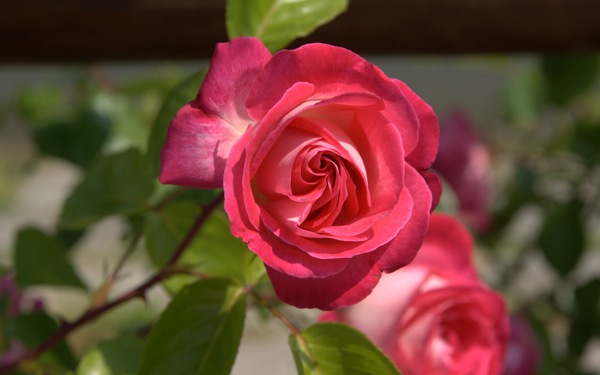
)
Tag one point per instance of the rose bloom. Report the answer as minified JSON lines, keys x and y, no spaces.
{"x":434,"y":316}
{"x":464,"y":161}
{"x":323,"y":162}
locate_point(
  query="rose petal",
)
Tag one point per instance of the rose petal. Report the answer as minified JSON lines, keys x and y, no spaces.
{"x":379,"y":313}
{"x":388,"y":213}
{"x":346,"y":288}
{"x":269,"y":248}
{"x":196,"y":149}
{"x":403,"y":249}
{"x":232,"y":72}
{"x":448,"y":245}
{"x":435,"y":185}
{"x":423,"y":156}
{"x":336,"y":70}
{"x":201,"y":134}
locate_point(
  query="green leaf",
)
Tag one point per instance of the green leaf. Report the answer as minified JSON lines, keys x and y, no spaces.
{"x":33,"y":329}
{"x":570,"y":76}
{"x":182,"y":94}
{"x":548,"y":364}
{"x":520,"y":192}
{"x":69,"y":238}
{"x":164,"y":230}
{"x":41,"y":259}
{"x":337,"y":348}
{"x":115,"y":184}
{"x":586,"y":142}
{"x":524,"y":98}
{"x":277,"y":22}
{"x":579,"y":335}
{"x":562,"y":237}
{"x":93,"y":363}
{"x":199,"y":332}
{"x":122,"y":355}
{"x":214,"y":251}
{"x":41,"y":104}
{"x":586,"y":321}
{"x":78,"y":141}
{"x":588,"y":298}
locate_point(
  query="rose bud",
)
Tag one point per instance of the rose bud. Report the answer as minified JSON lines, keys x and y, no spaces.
{"x":523,"y":354}
{"x":464,"y":162}
{"x":434,"y":316}
{"x":323,"y":161}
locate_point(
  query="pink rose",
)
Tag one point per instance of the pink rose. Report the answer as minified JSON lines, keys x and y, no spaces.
{"x":434,"y":316}
{"x":323,"y":162}
{"x":464,"y":161}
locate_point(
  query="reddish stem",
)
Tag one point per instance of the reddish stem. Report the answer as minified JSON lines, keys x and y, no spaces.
{"x":140,"y":291}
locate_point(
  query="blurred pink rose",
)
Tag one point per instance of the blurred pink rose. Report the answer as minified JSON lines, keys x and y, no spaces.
{"x":463,"y":160}
{"x":523,"y":354}
{"x":434,"y":316}
{"x":16,"y":304}
{"x":15,"y":351}
{"x":323,"y":160}
{"x":9,"y":290}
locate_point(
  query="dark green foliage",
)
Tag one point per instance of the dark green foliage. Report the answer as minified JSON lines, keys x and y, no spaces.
{"x":199,"y":332}
{"x":122,"y":354}
{"x":586,"y":142}
{"x":338,"y":349}
{"x":570,"y":76}
{"x":562,"y":237}
{"x":32,"y":329}
{"x":214,"y":251}
{"x":277,"y":23}
{"x":115,"y":184}
{"x":41,"y":260}
{"x":77,"y":141}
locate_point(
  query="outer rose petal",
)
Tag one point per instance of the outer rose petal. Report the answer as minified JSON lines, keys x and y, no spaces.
{"x":335,"y":71}
{"x":196,"y":149}
{"x":379,"y":313}
{"x":346,"y":288}
{"x":233,"y":69}
{"x":402,"y":250}
{"x":435,"y":185}
{"x":423,"y":156}
{"x":448,"y":245}
{"x":200,"y":136}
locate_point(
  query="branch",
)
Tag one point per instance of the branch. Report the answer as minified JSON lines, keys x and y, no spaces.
{"x":276,"y":313}
{"x":295,"y":331}
{"x":102,"y":294}
{"x":140,"y":291}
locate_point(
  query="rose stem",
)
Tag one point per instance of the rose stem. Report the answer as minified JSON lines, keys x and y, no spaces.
{"x":295,"y":331}
{"x":275,"y":312}
{"x":140,"y":291}
{"x":102,"y":294}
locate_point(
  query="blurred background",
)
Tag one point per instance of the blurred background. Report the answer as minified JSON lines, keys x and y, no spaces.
{"x":515,"y":85}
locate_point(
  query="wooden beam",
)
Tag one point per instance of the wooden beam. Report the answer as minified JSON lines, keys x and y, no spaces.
{"x":92,"y":30}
